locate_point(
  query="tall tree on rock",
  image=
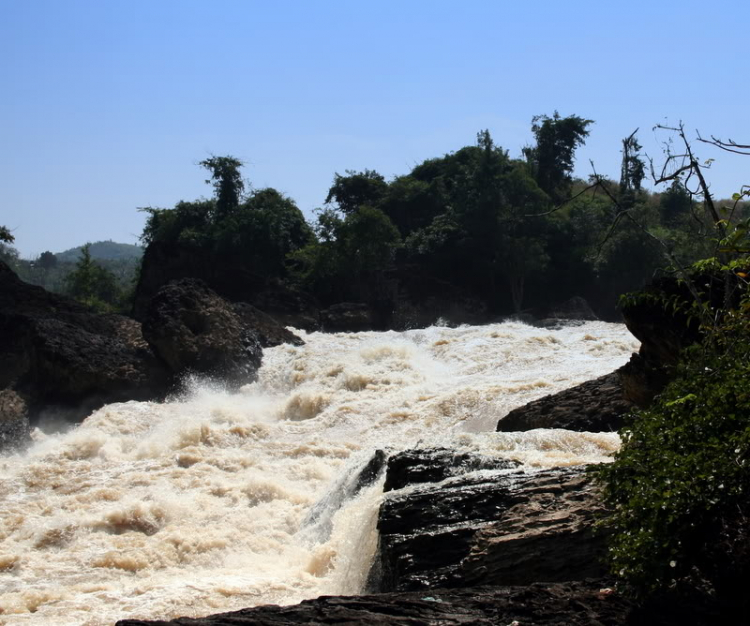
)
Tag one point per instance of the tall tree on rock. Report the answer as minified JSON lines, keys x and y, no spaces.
{"x":227,"y":182}
{"x":551,"y":160}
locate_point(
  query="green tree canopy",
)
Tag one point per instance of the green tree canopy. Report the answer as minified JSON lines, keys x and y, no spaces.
{"x":551,"y":160}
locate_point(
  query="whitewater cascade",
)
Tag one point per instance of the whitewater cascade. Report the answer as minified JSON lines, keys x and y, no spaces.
{"x":217,"y":501}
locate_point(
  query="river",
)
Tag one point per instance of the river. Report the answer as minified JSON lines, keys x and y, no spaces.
{"x":200,"y":504}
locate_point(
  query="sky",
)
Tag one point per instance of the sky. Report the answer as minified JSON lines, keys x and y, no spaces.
{"x":107,"y":106}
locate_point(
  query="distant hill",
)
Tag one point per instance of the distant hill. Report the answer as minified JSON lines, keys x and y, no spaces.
{"x":103,"y":251}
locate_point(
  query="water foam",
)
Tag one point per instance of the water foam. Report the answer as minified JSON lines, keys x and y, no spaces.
{"x":203,"y":504}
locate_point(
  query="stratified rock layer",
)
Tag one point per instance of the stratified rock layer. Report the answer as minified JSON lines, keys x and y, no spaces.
{"x":500,"y":528}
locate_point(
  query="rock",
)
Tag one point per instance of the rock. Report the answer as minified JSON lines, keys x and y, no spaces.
{"x":500,"y":528}
{"x":346,"y":317}
{"x":194,"y":330}
{"x":14,"y":420}
{"x":594,"y":406}
{"x":66,"y":361}
{"x":435,"y":465}
{"x":270,"y":332}
{"x":584,"y":603}
{"x":663,"y":335}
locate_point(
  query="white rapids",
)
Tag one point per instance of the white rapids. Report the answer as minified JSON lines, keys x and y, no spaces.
{"x":198,"y":505}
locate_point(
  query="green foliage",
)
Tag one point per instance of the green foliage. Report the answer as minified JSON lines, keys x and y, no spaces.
{"x":357,"y":189}
{"x":551,"y":160}
{"x":5,"y":235}
{"x":682,"y":470}
{"x":227,"y":182}
{"x":257,"y":231}
{"x":348,"y":259}
{"x":92,"y":284}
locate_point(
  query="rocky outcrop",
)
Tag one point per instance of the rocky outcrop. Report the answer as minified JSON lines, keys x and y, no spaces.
{"x":499,"y":528}
{"x":577,"y":604}
{"x":14,"y":419}
{"x":575,"y":308}
{"x":270,"y":332}
{"x":193,"y":330}
{"x":594,"y":406}
{"x":413,"y":467}
{"x":663,"y":334}
{"x":58,"y":358}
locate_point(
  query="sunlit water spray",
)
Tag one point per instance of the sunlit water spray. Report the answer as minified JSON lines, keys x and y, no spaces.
{"x":208,"y":503}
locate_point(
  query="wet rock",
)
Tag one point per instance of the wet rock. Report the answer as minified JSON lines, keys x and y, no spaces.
{"x":575,"y":308}
{"x":594,"y":406}
{"x":14,"y":420}
{"x":503,"y":529}
{"x":192,"y":329}
{"x":435,"y":465}
{"x":270,"y":332}
{"x":580,"y":604}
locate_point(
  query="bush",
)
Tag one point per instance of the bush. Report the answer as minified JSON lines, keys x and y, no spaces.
{"x":679,"y":486}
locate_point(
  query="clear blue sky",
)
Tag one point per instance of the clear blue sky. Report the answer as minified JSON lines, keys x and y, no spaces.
{"x":108,"y":105}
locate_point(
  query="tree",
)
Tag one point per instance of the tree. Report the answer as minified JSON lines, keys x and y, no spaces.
{"x":357,"y":189}
{"x":47,"y":260}
{"x":5,"y":235}
{"x":632,"y":170}
{"x":227,"y":182}
{"x":551,"y":160}
{"x":92,"y":284}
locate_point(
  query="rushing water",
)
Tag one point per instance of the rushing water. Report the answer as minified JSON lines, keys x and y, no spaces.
{"x":204,"y":504}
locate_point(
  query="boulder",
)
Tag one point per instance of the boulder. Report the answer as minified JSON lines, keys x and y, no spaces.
{"x":270,"y":332}
{"x":192,"y":329}
{"x":500,"y":528}
{"x":594,"y":406}
{"x":434,"y":465}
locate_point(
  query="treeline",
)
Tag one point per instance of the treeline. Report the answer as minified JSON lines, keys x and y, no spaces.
{"x":516,"y":233}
